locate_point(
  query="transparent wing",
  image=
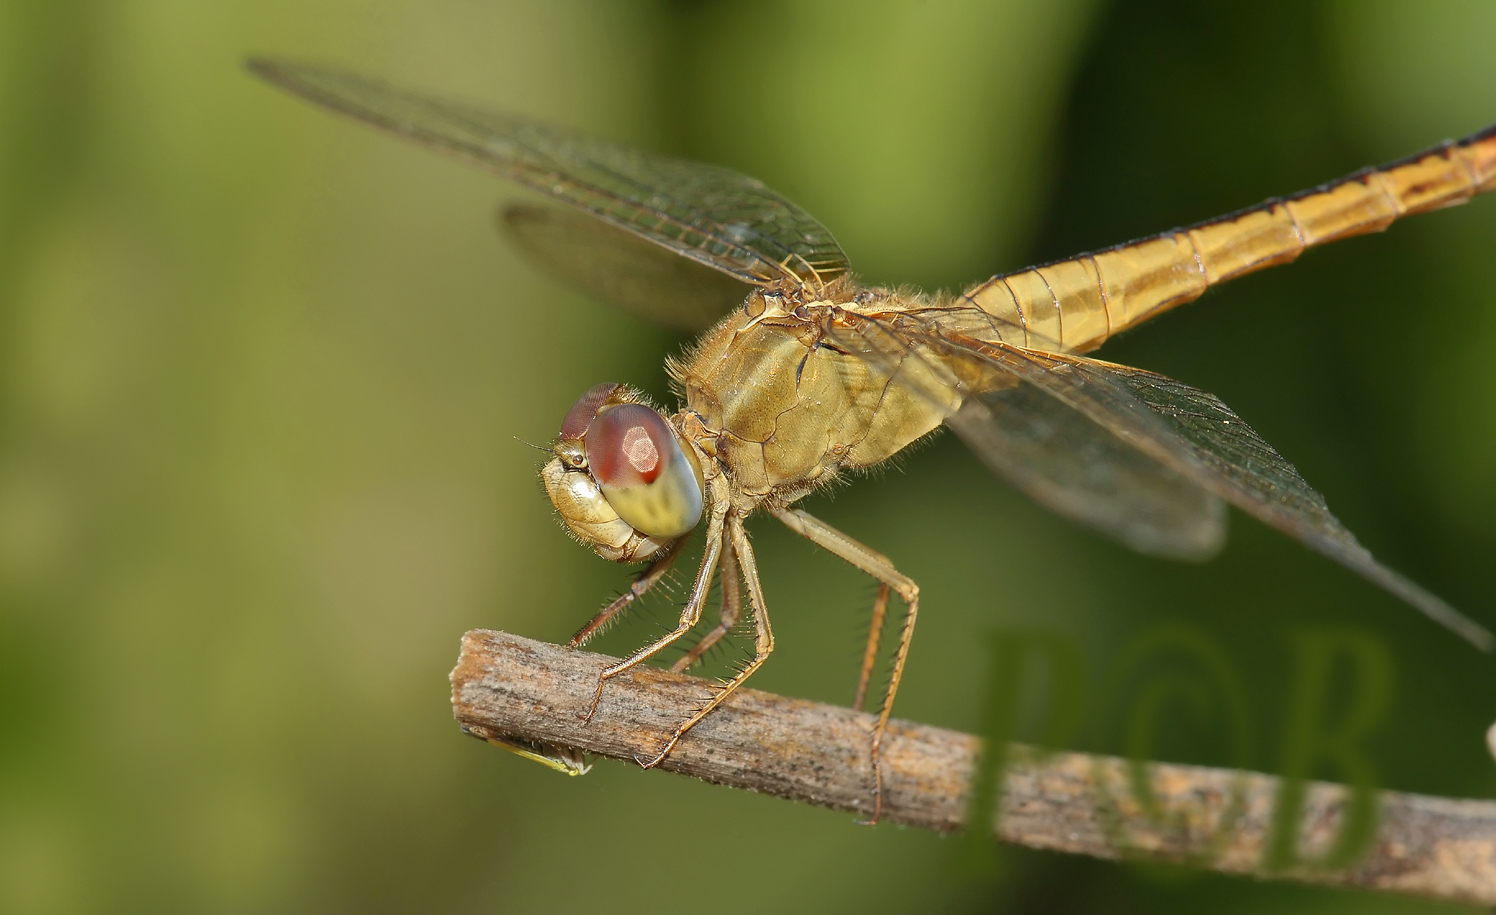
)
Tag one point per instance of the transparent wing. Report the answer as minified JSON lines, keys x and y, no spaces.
{"x":1066,"y":462}
{"x":1057,"y":455}
{"x":712,"y":215}
{"x":1121,"y":417}
{"x":620,"y":268}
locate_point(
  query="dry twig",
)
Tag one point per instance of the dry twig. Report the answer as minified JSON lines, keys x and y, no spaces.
{"x":506,"y":686}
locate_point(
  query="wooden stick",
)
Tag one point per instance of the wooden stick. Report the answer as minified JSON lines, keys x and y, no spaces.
{"x":505,"y":686}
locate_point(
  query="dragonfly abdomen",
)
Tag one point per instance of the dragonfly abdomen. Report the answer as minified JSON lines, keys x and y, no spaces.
{"x":1075,"y":305}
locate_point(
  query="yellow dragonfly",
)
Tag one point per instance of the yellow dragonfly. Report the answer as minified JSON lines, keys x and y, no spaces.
{"x":804,"y":375}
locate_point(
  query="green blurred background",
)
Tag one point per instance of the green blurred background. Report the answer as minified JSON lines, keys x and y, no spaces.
{"x":263,"y":374}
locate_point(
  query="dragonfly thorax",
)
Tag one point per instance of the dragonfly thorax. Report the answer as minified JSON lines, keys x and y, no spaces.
{"x":787,"y":409}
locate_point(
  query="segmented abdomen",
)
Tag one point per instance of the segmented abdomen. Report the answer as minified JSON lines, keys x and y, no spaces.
{"x":1075,"y":305}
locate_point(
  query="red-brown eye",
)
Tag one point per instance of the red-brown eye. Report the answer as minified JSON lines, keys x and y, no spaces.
{"x":629,"y":445}
{"x":580,"y":416}
{"x":637,"y":461}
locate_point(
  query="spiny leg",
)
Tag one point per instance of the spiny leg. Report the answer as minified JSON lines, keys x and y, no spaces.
{"x":878,"y":566}
{"x":651,"y":576}
{"x":874,"y":638}
{"x":732,"y":609}
{"x":911,"y":613}
{"x":690,"y":614}
{"x":763,"y":637}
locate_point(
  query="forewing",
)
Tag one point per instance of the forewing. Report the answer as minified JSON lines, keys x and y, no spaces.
{"x":712,"y":215}
{"x":1107,"y":411}
{"x":621,"y":268}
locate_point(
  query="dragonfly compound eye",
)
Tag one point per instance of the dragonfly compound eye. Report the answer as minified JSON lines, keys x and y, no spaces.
{"x":581,"y":414}
{"x":621,"y":480}
{"x":638,"y":463}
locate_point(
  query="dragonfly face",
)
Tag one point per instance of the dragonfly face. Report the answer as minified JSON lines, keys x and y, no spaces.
{"x":815,"y":374}
{"x":621,"y":480}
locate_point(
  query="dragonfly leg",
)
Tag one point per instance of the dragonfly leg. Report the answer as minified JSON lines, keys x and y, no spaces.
{"x":690,"y":614}
{"x":732,"y":609}
{"x":651,"y":576}
{"x":878,"y":566}
{"x":763,"y":637}
{"x":874,"y":637}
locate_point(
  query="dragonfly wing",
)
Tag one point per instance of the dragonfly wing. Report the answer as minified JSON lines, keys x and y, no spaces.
{"x":1205,"y":439}
{"x":712,"y":215}
{"x":1058,"y":455}
{"x":1077,"y":468}
{"x":1187,"y":432}
{"x":620,"y":268}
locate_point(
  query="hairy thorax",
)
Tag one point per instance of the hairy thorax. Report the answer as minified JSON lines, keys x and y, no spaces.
{"x":783,"y":410}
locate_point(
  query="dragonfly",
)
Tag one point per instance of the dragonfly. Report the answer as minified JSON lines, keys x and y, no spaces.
{"x":804,"y":375}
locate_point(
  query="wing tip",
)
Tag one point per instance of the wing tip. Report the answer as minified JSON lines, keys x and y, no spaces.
{"x":1431,"y":606}
{"x":272,"y":69}
{"x":296,"y":77}
{"x":278,"y":72}
{"x":1472,"y":632}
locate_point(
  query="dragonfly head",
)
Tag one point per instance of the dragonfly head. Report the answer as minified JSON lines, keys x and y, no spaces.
{"x":621,"y":479}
